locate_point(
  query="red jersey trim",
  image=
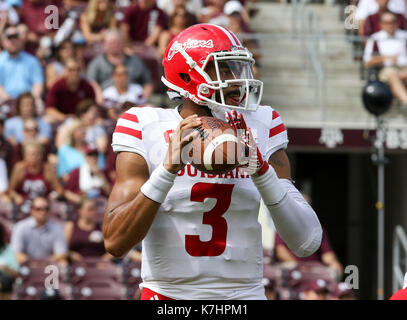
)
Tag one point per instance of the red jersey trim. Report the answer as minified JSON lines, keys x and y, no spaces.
{"x":130,"y":132}
{"x":130,"y":117}
{"x":276,"y":130}
{"x":275,"y":115}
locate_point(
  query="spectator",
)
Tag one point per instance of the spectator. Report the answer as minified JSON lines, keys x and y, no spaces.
{"x":8,"y":266}
{"x":32,"y":177}
{"x":121,"y":91}
{"x":368,"y":7}
{"x":31,"y":134}
{"x":84,"y":235}
{"x":34,"y":15}
{"x":386,"y":49}
{"x":71,"y":154}
{"x":193,"y":6}
{"x":372,"y":23}
{"x":14,"y":126}
{"x":87,"y":112}
{"x":8,"y":13}
{"x":64,"y":96}
{"x":56,"y":68}
{"x":19,"y":71}
{"x":89,"y":179}
{"x":143,"y":22}
{"x":180,"y":19}
{"x":324,"y":254}
{"x":38,"y":236}
{"x":100,"y":69}
{"x":98,"y":17}
{"x":213,"y":12}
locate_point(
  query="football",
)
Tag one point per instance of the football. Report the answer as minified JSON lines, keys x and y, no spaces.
{"x":215,"y":149}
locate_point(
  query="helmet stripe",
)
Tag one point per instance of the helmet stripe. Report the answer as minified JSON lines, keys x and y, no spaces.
{"x":228,"y":33}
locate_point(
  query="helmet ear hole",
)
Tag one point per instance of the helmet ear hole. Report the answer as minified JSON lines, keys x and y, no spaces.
{"x":185,"y":77}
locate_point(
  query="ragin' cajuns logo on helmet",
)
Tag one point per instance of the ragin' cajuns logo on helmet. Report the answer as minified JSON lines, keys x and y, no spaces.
{"x":190,"y":43}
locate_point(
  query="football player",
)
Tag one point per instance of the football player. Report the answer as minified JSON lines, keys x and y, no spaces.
{"x":200,"y":235}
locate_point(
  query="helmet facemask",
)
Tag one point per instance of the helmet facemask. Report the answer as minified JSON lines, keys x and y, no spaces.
{"x":231,"y":69}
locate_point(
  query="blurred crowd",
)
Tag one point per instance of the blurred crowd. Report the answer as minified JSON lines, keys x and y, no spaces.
{"x":68,"y":69}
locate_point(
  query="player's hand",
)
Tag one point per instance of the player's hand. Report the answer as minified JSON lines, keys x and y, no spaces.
{"x":253,"y":160}
{"x":182,"y":136}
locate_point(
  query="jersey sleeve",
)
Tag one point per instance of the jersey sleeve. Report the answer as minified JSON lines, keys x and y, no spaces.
{"x":277,"y":134}
{"x":128,"y":134}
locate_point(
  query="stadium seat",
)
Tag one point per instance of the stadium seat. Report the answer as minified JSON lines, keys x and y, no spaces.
{"x":99,"y":290}
{"x":59,"y":210}
{"x":132,"y":279}
{"x":94,"y":269}
{"x":8,"y":108}
{"x":35,"y":274}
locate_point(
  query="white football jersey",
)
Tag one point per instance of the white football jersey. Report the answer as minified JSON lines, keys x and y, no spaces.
{"x":205,"y":241}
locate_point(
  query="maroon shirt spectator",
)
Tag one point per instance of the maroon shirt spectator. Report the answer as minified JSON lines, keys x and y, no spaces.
{"x":64,"y":99}
{"x":317,"y":256}
{"x":64,"y":96}
{"x":324,"y":254}
{"x":34,"y":14}
{"x":84,"y":235}
{"x":372,"y":23}
{"x":144,"y":21}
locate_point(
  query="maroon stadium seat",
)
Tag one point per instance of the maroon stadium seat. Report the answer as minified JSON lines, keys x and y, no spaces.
{"x":33,"y":276}
{"x":132,"y":279}
{"x":94,"y":269}
{"x":99,"y":290}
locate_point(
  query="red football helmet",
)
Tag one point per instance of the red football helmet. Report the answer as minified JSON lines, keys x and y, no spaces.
{"x":189,"y":54}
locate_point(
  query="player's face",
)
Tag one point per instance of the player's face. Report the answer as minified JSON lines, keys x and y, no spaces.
{"x":230,"y":70}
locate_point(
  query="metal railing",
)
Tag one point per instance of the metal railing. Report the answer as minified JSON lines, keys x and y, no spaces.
{"x":399,"y":262}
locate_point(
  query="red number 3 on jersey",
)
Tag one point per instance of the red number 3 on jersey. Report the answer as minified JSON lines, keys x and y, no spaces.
{"x":217,"y":244}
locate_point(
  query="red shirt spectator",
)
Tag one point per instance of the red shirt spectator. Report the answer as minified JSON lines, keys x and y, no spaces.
{"x":144,"y":20}
{"x":64,"y":96}
{"x":372,"y":23}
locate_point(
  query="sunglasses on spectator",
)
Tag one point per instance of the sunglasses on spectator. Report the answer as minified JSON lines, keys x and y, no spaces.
{"x":74,"y":69}
{"x":389,"y":21}
{"x":13,"y":35}
{"x":40,"y":208}
{"x":35,"y":129}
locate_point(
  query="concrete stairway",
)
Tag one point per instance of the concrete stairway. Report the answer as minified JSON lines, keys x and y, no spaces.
{"x":290,"y":88}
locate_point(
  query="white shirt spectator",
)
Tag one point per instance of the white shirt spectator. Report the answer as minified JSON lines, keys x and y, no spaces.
{"x":193,"y":6}
{"x":367,"y":7}
{"x":388,"y":46}
{"x":13,"y":17}
{"x":134,"y":94}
